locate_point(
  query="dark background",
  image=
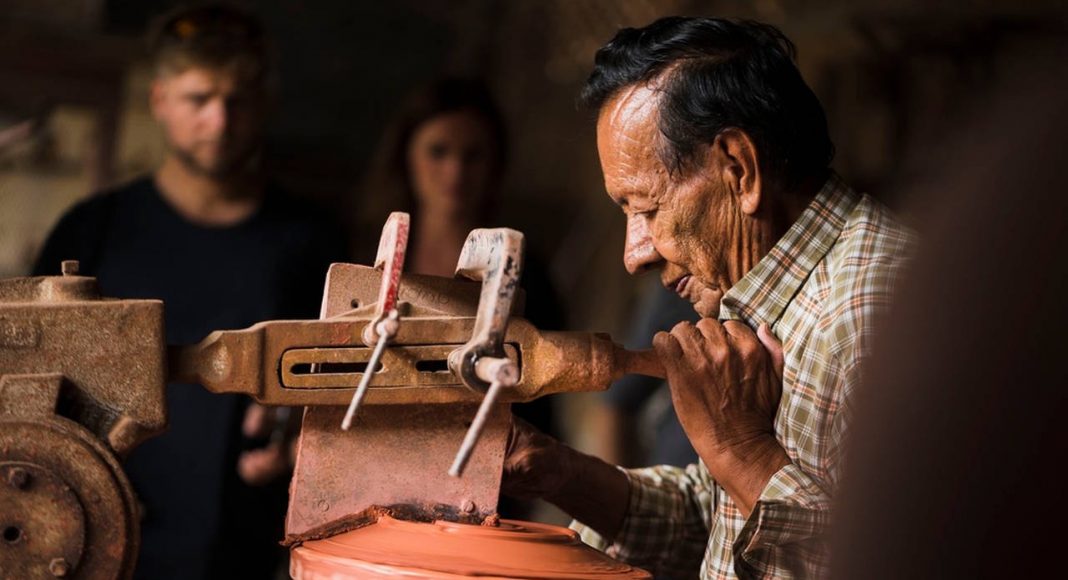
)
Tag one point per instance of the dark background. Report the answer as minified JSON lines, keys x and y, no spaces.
{"x":892,"y":75}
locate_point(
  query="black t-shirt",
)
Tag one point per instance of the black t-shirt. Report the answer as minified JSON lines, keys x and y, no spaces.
{"x":200,"y":520}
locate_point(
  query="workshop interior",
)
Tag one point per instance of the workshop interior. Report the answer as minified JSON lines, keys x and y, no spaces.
{"x":343,"y":289}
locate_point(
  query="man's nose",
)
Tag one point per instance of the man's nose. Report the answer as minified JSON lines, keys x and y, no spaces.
{"x":217,"y":114}
{"x":639,"y":253}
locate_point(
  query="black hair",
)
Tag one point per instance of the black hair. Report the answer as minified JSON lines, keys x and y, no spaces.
{"x":718,"y":74}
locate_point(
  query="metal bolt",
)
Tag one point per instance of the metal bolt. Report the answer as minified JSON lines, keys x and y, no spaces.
{"x":468,"y":506}
{"x":58,"y":567}
{"x":323,"y":505}
{"x":18,"y":477}
{"x":69,"y":267}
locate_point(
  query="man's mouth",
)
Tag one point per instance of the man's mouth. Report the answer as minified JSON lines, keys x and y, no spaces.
{"x":682,"y":284}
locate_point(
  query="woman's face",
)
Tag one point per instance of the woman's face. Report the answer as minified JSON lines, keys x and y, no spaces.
{"x":451,"y":161}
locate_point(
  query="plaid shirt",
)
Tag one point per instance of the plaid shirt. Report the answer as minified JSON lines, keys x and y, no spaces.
{"x":820,"y":288}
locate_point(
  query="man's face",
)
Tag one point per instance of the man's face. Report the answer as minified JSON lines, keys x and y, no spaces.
{"x":211,"y":122}
{"x":686,"y":226}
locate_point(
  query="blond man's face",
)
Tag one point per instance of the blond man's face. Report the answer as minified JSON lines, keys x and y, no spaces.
{"x":211,"y":121}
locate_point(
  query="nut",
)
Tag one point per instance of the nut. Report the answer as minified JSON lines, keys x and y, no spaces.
{"x":18,"y":478}
{"x":69,"y":267}
{"x":58,"y":567}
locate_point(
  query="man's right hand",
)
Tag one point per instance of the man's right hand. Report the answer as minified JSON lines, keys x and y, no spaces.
{"x":590,"y":490}
{"x":535,"y":465}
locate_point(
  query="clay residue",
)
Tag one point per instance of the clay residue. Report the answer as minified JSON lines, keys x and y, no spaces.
{"x":407,"y":512}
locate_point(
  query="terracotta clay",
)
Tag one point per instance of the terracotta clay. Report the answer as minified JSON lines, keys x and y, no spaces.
{"x":393,"y":549}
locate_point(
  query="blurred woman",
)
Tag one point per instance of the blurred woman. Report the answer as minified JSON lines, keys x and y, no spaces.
{"x":442,"y":160}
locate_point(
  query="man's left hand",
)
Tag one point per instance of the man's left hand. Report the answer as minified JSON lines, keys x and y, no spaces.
{"x":726,"y":389}
{"x":264,"y":465}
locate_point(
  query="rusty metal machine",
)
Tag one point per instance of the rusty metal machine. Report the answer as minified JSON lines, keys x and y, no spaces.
{"x":426,"y":365}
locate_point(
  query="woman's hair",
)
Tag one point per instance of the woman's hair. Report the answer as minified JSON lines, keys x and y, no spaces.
{"x":389,"y":187}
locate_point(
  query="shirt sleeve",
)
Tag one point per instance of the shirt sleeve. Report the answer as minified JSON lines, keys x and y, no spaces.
{"x":666,"y":526}
{"x":784,"y":537}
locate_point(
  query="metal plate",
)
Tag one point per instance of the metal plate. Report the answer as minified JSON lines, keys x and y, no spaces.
{"x":395,"y":459}
{"x":401,"y":366}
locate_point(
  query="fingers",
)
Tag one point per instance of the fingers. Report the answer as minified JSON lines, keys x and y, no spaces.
{"x":262,"y":466}
{"x":258,"y":421}
{"x":667,"y":346}
{"x":773,"y":345}
{"x":743,"y":339}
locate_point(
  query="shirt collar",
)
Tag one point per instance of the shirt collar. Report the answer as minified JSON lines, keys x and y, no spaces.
{"x":763,"y":294}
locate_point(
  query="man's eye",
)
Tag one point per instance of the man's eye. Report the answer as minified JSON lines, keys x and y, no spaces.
{"x":198,"y":100}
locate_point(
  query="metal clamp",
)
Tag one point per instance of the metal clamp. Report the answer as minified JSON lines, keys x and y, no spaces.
{"x":384,"y":326}
{"x":494,"y":256}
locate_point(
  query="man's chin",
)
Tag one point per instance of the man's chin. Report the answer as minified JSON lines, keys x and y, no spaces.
{"x":707,"y":304}
{"x":214,"y":168}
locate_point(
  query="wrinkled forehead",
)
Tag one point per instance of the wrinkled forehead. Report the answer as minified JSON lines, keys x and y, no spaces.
{"x":627,"y":140}
{"x":630,"y":114}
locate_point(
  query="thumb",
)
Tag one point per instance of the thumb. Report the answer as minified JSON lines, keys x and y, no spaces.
{"x":774,"y":347}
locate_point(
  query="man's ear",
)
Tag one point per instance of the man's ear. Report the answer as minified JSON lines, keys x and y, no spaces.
{"x":736,"y":156}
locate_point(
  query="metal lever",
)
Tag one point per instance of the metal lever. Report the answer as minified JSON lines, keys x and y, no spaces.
{"x":494,"y":256}
{"x":391,"y":249}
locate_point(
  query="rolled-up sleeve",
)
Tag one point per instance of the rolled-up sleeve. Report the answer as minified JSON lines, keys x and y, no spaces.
{"x":666,"y":526}
{"x":785,"y":535}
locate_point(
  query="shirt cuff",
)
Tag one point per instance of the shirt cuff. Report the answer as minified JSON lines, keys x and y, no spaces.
{"x":664,"y":528}
{"x":793,"y":508}
{"x":595,"y":540}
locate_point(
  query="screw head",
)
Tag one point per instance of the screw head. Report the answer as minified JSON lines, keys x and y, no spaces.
{"x":18,"y":478}
{"x":69,"y":267}
{"x":468,"y":506}
{"x":59,"y":567}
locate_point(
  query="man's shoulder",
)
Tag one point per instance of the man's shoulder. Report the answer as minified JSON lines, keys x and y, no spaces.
{"x":874,"y":245}
{"x":873,"y":234}
{"x":98,"y":206}
{"x":80,"y":230}
{"x":864,"y":269}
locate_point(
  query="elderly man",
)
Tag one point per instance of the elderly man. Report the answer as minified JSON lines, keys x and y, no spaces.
{"x":718,"y":153}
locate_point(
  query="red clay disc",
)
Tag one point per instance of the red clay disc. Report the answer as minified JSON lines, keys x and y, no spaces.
{"x":395,"y":549}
